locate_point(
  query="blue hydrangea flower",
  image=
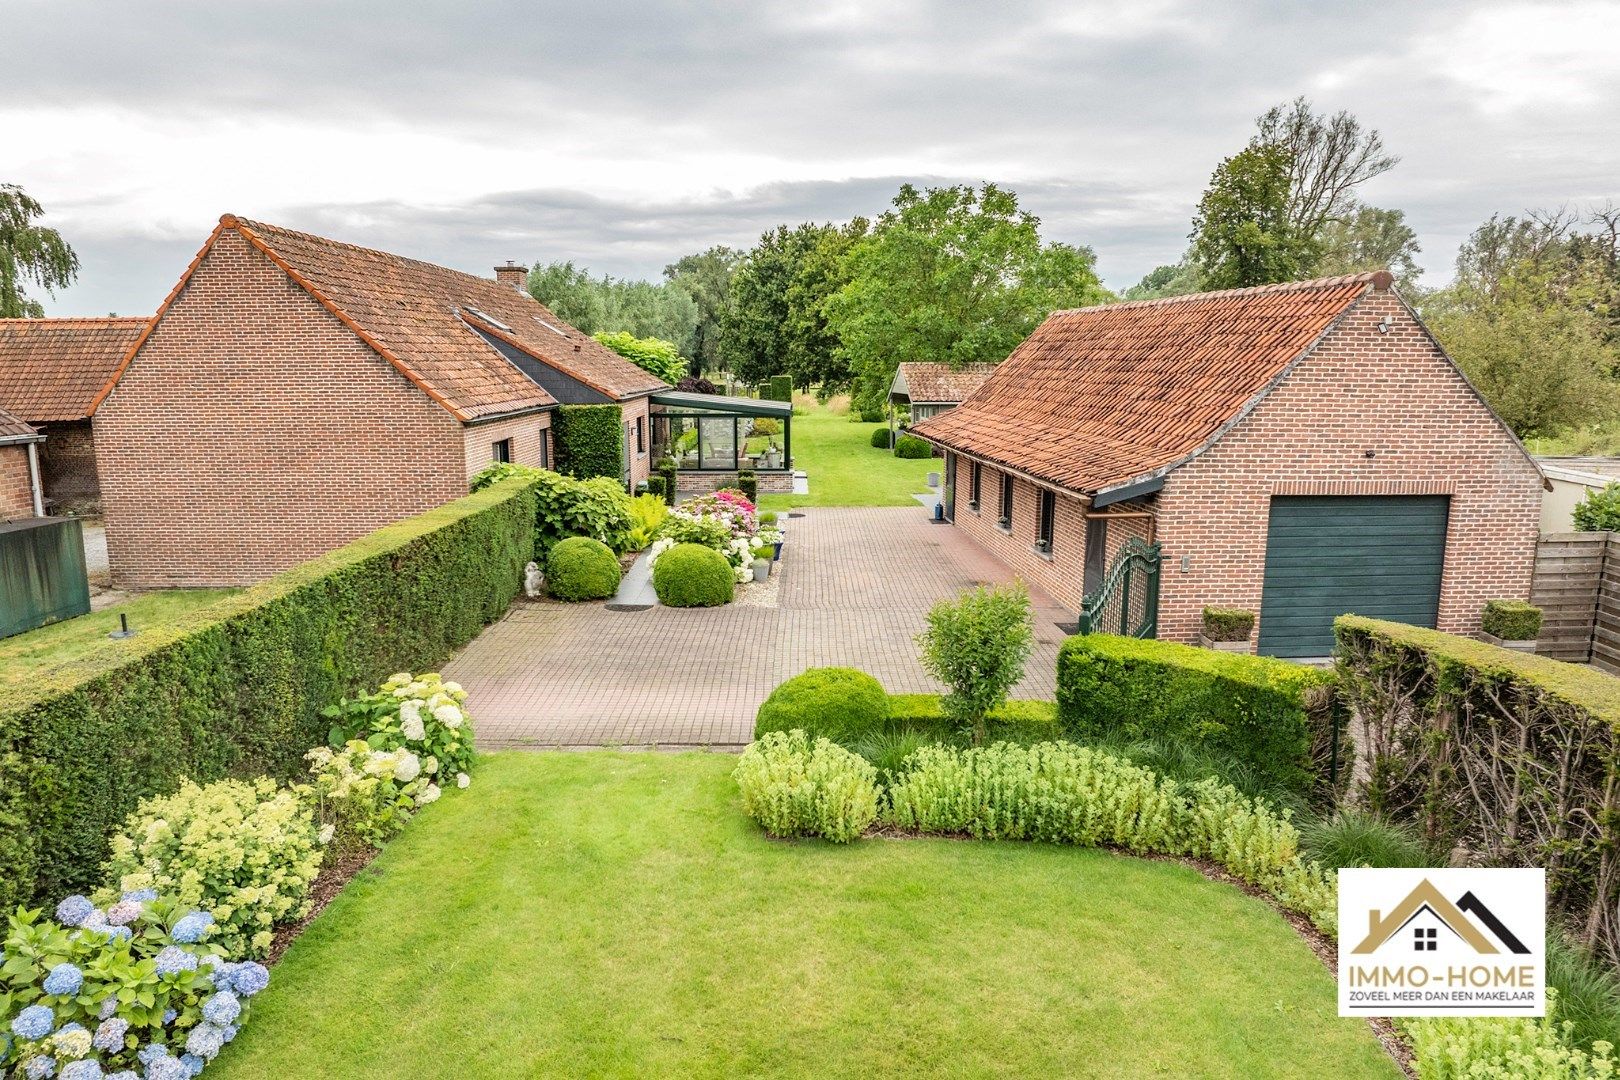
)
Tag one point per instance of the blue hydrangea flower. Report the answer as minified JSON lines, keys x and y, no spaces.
{"x":108,"y":1007}
{"x":73,"y":911}
{"x":123,"y":1074}
{"x":82,"y":1070}
{"x":190,"y":930}
{"x":173,"y":960}
{"x":230,"y":1032}
{"x":34,"y":1022}
{"x":249,"y":977}
{"x":169,"y":1016}
{"x":118,"y":933}
{"x":110,"y":1035}
{"x":140,"y":896}
{"x":124,"y":912}
{"x":222,"y":1009}
{"x":167,"y":1068}
{"x":96,"y":920}
{"x":64,"y":980}
{"x":205,"y":1040}
{"x":151,"y":1052}
{"x":193,"y":1063}
{"x":39,"y":1067}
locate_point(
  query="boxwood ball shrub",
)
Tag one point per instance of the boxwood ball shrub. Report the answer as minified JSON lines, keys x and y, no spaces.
{"x":883,"y":438}
{"x":910,"y":446}
{"x":1228,"y":624}
{"x":692,"y":575}
{"x":246,"y":851}
{"x":836,"y":703}
{"x":1511,"y":620}
{"x":1272,"y":716}
{"x":581,"y":568}
{"x":794,"y":785}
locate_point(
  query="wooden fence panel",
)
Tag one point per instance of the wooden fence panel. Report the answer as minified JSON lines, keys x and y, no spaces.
{"x":1606,"y":626}
{"x":1570,"y":568}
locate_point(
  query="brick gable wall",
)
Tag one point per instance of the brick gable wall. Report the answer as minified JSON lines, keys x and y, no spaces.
{"x":67,"y":464}
{"x":531,"y":442}
{"x":16,"y":493}
{"x":254,"y":431}
{"x":1394,"y":394}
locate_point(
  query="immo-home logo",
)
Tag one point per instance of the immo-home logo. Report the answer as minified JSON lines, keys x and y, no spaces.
{"x":1442,"y":942}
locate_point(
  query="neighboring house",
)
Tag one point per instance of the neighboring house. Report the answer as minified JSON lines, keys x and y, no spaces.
{"x":1300,"y":450}
{"x":294,"y":393}
{"x":1569,"y":481}
{"x":21,"y":495}
{"x":929,"y":389}
{"x":50,"y":373}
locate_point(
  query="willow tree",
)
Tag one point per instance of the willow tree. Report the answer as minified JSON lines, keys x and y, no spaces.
{"x":29,"y":251}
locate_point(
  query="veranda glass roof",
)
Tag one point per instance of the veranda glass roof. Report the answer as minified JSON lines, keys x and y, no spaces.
{"x":719,"y":403}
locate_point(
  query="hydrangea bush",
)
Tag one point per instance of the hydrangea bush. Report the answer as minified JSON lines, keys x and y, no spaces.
{"x":122,"y":991}
{"x":245,"y":850}
{"x":419,"y":713}
{"x":723,"y":520}
{"x":364,"y":796}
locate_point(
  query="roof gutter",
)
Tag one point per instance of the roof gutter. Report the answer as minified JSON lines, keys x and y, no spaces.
{"x":1126,"y":492}
{"x":528,"y":410}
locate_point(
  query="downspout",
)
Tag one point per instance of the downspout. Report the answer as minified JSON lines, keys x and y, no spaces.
{"x":33,"y":480}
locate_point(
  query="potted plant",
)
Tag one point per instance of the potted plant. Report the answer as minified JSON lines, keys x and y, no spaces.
{"x":762,"y":562}
{"x":1227,"y":630}
{"x":1510,"y":624}
{"x":773,"y":536}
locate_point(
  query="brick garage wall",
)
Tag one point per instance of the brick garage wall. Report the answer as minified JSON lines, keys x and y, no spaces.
{"x":530,"y":435}
{"x":1394,"y":394}
{"x":67,"y":464}
{"x":16,"y":492}
{"x":254,"y":431}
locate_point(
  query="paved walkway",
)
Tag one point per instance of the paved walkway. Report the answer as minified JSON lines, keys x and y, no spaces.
{"x":855,"y":585}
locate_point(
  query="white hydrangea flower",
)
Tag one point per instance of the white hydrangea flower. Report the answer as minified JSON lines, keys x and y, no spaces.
{"x":448,"y":715}
{"x":428,"y":794}
{"x":400,"y":677}
{"x":430,"y":766}
{"x":409,"y":767}
{"x":412,"y":727}
{"x":410,"y":709}
{"x":325,"y":836}
{"x":452,"y":687}
{"x":462,"y":779}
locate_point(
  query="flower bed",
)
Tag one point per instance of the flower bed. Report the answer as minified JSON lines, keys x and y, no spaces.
{"x":723,"y":520}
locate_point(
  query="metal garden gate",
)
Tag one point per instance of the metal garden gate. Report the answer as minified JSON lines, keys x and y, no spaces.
{"x":1127,"y":602}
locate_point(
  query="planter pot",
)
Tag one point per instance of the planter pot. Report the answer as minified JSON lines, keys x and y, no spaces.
{"x":778,"y":556}
{"x":1502,"y":643}
{"x":1245,"y":646}
{"x":762,"y":569}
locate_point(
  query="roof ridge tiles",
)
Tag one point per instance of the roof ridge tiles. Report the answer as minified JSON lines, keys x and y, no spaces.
{"x":1368,"y":277}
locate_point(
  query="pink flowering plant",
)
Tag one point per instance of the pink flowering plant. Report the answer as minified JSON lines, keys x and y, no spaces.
{"x":727,"y":506}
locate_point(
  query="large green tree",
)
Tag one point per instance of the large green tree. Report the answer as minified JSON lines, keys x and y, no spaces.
{"x":813,"y":356}
{"x":706,"y":278}
{"x":643,"y":309}
{"x":765,"y":316}
{"x":1369,"y":238}
{"x":1328,"y":158}
{"x":956,"y":274}
{"x":29,"y":252}
{"x":1529,"y":318}
{"x":1242,"y":234}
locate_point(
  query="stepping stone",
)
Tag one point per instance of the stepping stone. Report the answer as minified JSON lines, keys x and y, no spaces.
{"x":636,"y":590}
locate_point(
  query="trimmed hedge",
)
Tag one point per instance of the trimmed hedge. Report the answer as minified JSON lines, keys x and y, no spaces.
{"x":1511,"y":620}
{"x":780,"y":388}
{"x":237,"y":688}
{"x":693,"y":575}
{"x":1017,"y":721}
{"x":1270,"y":715}
{"x":667,"y":468}
{"x":883,"y":439}
{"x":1228,"y":624}
{"x":580,"y":568}
{"x":590,"y":441}
{"x":910,"y":446}
{"x":838,"y":703}
{"x":748,"y":484}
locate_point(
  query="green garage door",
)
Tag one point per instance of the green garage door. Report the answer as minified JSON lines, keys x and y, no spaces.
{"x":1328,"y":555}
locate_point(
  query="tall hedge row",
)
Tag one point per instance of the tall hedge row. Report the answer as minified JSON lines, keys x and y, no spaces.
{"x":1275,"y":717}
{"x":781,"y":388}
{"x":590,"y":440}
{"x":236,"y":688}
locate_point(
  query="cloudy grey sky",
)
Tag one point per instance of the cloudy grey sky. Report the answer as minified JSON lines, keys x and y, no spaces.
{"x":624,"y":135}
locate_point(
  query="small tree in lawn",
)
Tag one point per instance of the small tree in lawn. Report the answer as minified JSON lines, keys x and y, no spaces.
{"x":977,"y":646}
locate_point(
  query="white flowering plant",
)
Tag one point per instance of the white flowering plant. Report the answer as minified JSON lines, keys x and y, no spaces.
{"x":684,"y":528}
{"x":363,"y":796}
{"x":247,"y":851}
{"x":127,"y":988}
{"x":423,"y":714}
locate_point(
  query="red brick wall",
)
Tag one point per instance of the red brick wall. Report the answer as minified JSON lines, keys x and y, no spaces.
{"x":16,"y":492}
{"x":1061,"y":574}
{"x":254,"y":431}
{"x":1394,"y":394}
{"x":67,"y":462}
{"x":526,"y":433}
{"x":640,"y":461}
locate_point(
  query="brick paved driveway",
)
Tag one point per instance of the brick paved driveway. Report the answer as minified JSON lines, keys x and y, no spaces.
{"x":855,"y":585}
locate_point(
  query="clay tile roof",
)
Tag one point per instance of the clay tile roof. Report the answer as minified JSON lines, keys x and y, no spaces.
{"x":13,"y":430}
{"x":51,"y":369}
{"x":1098,"y":397}
{"x":423,"y":314}
{"x":931,"y":382}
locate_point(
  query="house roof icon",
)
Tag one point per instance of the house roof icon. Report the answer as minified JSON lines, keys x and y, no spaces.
{"x":1425,"y":897}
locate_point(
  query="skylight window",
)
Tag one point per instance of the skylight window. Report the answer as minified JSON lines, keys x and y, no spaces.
{"x":554,"y":329}
{"x":496,"y":323}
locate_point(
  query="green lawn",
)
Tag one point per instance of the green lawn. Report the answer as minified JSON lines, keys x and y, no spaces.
{"x":25,"y":656}
{"x":615,"y":915}
{"x":845,"y":469}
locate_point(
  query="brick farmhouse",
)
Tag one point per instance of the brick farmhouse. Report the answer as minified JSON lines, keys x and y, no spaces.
{"x":1298,"y":450}
{"x":50,"y":373}
{"x":930,"y":388}
{"x":294,"y":393}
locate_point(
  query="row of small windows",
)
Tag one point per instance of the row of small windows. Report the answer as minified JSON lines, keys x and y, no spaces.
{"x":1045,"y":507}
{"x":501,"y":449}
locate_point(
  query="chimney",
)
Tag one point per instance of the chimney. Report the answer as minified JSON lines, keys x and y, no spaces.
{"x":514,"y":275}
